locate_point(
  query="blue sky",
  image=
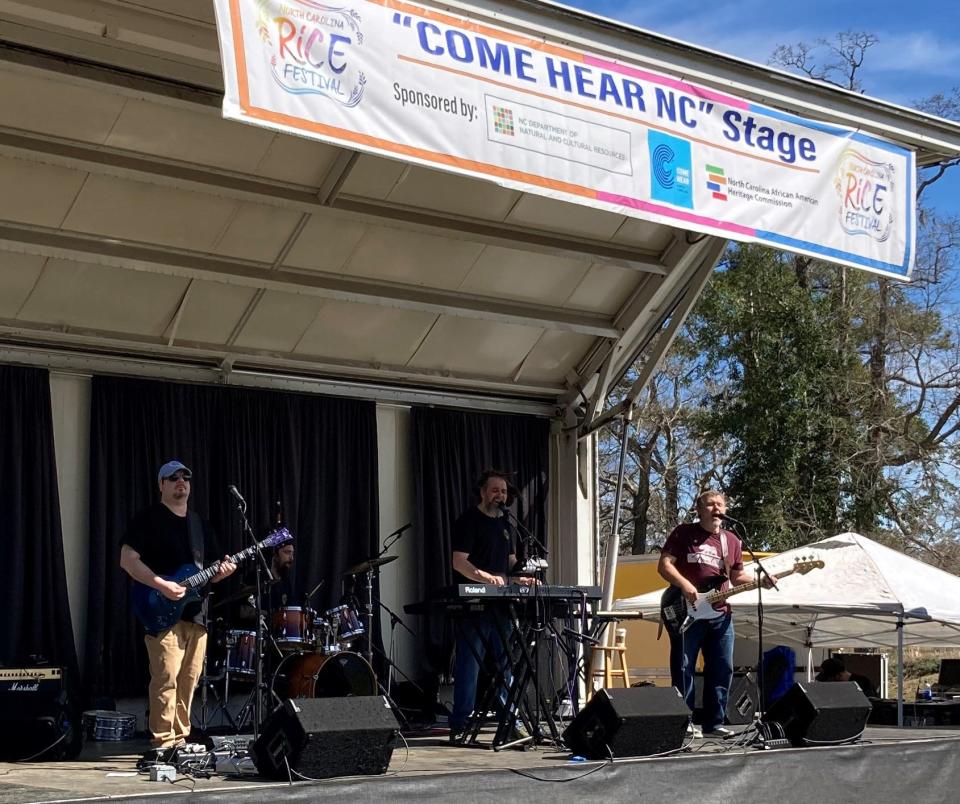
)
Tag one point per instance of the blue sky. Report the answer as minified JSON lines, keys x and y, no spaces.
{"x":917,"y":56}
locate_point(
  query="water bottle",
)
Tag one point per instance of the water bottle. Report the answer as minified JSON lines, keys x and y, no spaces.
{"x":927,"y":693}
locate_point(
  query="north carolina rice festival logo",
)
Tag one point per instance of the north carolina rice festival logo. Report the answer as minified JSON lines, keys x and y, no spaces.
{"x":313,"y":49}
{"x":867,"y":190}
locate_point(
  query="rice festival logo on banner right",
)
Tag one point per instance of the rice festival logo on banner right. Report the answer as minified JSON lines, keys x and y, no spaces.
{"x":312,"y":48}
{"x":867,"y":191}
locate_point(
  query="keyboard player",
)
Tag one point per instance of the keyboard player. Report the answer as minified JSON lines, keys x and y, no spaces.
{"x":484,"y":549}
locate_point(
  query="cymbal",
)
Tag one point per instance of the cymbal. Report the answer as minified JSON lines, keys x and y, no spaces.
{"x":241,"y":594}
{"x":369,"y":564}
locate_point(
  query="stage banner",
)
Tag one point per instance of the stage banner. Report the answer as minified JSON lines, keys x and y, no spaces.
{"x":424,"y":85}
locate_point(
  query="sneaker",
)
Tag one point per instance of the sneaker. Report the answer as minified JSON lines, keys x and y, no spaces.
{"x":457,"y":736}
{"x":694,"y":731}
{"x":720,"y":731}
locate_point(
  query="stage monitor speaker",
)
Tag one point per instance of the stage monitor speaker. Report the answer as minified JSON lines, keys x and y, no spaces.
{"x":742,"y":699}
{"x":634,"y":722}
{"x":318,"y":738}
{"x":821,"y":713}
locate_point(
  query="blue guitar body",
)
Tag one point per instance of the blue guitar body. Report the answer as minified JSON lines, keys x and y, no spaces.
{"x":158,"y":613}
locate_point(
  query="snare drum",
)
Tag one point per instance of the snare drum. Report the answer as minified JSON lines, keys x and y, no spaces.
{"x":344,"y":623}
{"x":319,"y":675}
{"x":102,"y":724}
{"x":292,"y":628}
{"x":242,"y":652}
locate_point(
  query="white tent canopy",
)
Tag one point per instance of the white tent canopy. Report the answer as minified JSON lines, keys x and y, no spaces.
{"x":856,"y":600}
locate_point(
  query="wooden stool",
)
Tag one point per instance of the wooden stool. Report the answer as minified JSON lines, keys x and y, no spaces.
{"x":607,"y":653}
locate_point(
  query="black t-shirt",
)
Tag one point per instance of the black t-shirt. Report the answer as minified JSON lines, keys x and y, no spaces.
{"x":163,"y":541}
{"x":488,"y":542}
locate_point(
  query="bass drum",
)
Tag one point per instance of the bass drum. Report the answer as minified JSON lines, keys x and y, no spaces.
{"x":318,"y":675}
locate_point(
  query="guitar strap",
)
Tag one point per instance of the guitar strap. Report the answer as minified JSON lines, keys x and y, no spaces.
{"x":195,"y":531}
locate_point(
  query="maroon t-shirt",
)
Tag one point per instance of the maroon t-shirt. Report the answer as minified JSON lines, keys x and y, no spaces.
{"x":699,"y":556}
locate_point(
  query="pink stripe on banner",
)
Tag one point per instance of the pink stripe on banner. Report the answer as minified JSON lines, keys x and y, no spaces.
{"x":699,"y":92}
{"x":646,"y":206}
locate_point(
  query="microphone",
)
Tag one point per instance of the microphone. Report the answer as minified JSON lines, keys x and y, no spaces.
{"x":503,"y":507}
{"x":233,"y":490}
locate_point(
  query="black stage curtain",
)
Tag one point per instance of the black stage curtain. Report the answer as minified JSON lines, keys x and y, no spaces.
{"x":316,"y":456}
{"x":451,"y":448}
{"x":33,"y":595}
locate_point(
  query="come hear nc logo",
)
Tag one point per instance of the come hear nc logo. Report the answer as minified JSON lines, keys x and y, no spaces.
{"x":866,"y":190}
{"x":313,"y":49}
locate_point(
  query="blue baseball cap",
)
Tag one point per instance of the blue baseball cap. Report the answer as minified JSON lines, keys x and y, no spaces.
{"x":169,"y":468}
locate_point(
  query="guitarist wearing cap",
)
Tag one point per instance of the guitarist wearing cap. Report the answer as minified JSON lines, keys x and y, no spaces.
{"x":696,"y":558}
{"x":160,"y":540}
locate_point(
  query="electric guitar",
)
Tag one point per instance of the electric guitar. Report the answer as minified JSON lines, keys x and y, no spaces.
{"x":158,"y":613}
{"x":679,"y":614}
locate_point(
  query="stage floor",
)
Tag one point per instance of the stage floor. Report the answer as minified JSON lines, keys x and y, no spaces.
{"x":429,"y":768}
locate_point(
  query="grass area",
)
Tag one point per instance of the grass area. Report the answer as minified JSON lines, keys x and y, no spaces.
{"x":920,"y":666}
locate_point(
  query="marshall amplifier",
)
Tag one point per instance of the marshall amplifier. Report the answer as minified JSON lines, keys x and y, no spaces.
{"x":37,"y":718}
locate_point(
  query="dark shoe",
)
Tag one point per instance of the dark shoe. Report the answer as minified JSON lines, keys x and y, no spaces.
{"x":155,"y":756}
{"x":457,"y":736}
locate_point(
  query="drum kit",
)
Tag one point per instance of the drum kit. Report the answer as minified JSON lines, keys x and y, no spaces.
{"x":305,"y":655}
{"x":292,"y":653}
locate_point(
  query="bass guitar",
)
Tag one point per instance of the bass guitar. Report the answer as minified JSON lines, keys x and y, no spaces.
{"x":158,"y":613}
{"x":679,"y":614}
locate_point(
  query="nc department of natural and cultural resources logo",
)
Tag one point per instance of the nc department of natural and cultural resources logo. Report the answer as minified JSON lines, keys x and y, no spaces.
{"x":503,"y":120}
{"x":867,"y":190}
{"x":670,"y":169}
{"x":313,"y":49}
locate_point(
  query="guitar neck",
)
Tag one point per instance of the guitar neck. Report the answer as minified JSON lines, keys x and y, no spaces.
{"x":202,"y":577}
{"x":719,"y":596}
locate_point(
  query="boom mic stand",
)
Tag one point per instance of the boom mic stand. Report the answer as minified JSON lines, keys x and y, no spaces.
{"x":261,"y":564}
{"x":740,"y":529}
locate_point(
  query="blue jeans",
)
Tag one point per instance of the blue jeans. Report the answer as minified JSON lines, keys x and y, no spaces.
{"x":715,"y":639}
{"x":473,"y":636}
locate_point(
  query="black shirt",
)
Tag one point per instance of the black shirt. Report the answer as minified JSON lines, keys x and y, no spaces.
{"x":163,"y":541}
{"x":487,"y":541}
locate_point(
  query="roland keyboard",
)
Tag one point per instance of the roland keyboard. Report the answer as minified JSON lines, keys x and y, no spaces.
{"x":518,"y":592}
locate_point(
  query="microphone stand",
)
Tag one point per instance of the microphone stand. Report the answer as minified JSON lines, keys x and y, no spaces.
{"x":740,"y":529}
{"x":261,"y":631}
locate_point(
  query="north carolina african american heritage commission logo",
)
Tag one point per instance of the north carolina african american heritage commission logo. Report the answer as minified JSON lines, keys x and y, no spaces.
{"x":670,"y":169}
{"x":867,"y":190}
{"x":313,"y":49}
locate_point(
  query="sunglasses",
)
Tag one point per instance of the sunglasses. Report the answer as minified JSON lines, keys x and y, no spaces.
{"x":179,"y":476}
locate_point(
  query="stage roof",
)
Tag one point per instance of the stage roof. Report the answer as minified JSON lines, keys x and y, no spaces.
{"x":137,"y":224}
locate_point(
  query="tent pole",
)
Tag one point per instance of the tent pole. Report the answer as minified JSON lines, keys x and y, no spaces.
{"x":900,"y":670}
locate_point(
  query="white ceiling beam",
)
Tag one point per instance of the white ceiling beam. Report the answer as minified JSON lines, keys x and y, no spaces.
{"x":99,"y":250}
{"x":15,"y":333}
{"x":104,"y":160}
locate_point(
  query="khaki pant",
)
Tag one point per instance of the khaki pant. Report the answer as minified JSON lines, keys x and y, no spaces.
{"x":176,"y":662}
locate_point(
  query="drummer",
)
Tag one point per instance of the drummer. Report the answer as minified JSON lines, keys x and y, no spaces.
{"x":278,"y":593}
{"x":281,"y":567}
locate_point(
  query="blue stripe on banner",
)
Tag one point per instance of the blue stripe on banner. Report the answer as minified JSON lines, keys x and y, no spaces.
{"x":826,"y":128}
{"x":845,"y":256}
